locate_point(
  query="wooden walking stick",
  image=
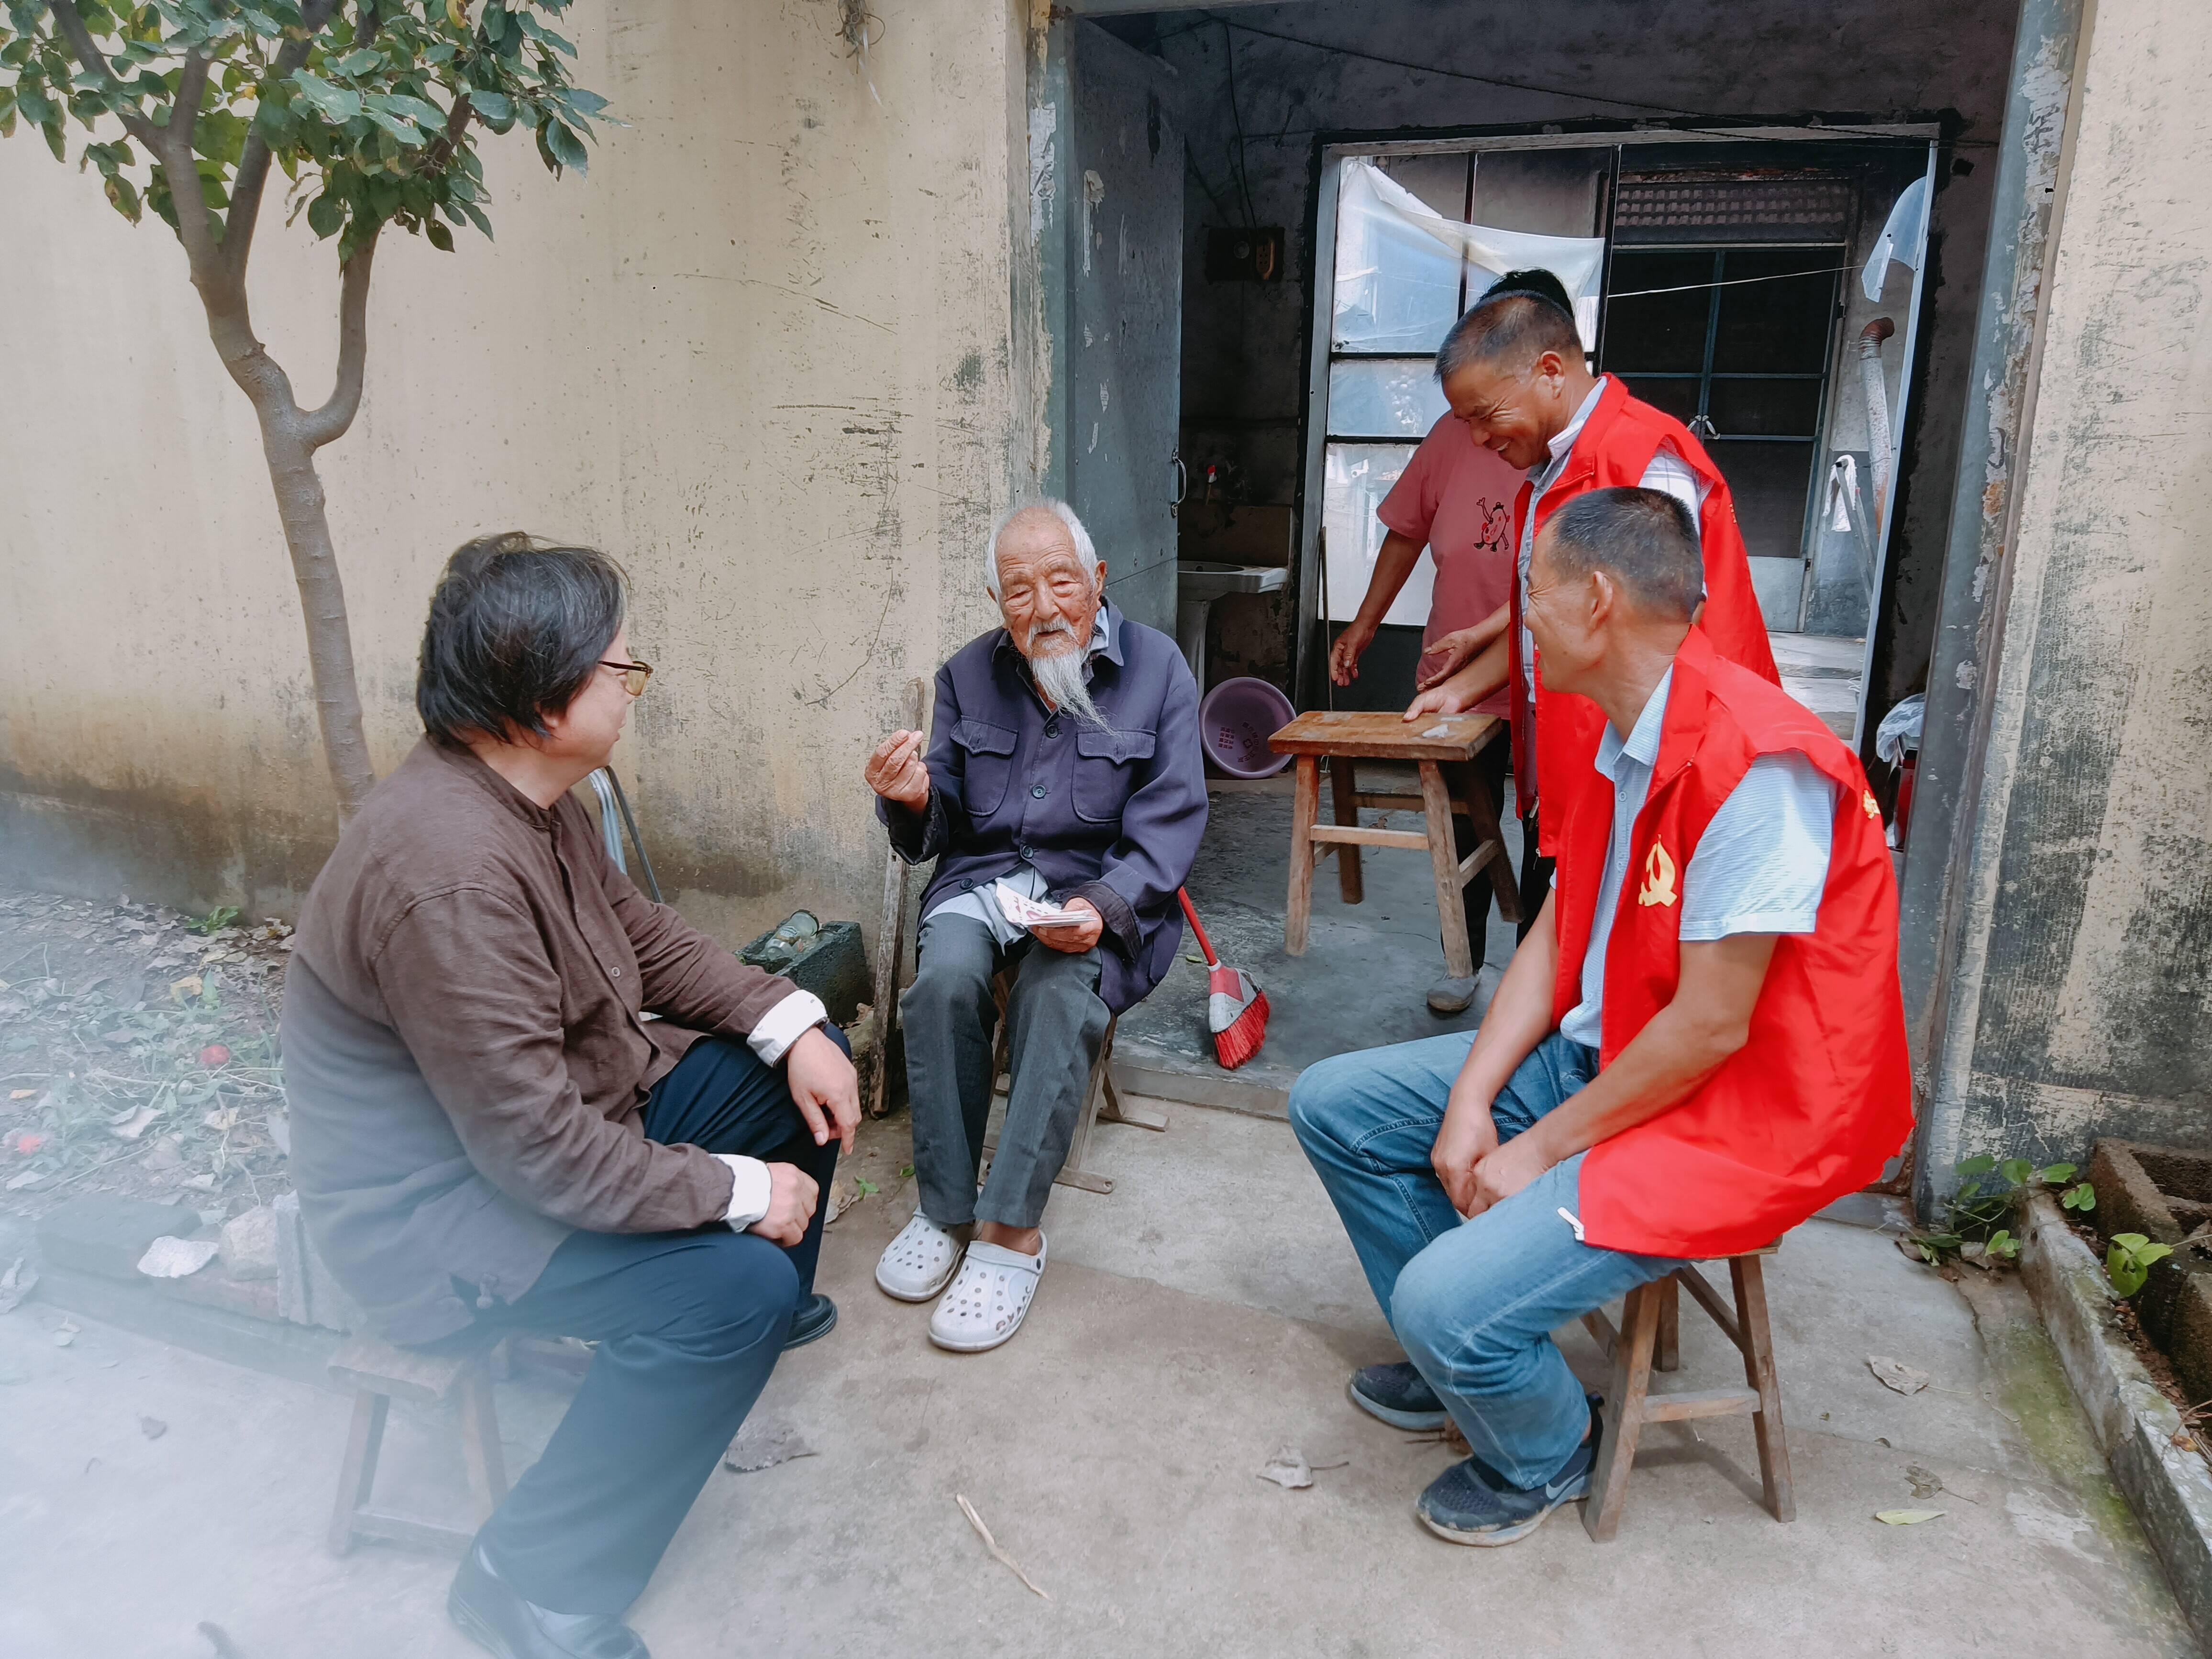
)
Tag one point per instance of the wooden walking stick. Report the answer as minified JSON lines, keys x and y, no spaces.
{"x":891,"y":935}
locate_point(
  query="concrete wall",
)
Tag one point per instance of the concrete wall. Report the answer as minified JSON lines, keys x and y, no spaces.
{"x":2078,"y":996}
{"x":1244,"y":343}
{"x":761,"y":355}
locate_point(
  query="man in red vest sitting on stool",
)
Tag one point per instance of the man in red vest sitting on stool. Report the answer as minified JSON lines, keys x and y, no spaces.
{"x":1513,"y":370}
{"x":1699,"y":1042}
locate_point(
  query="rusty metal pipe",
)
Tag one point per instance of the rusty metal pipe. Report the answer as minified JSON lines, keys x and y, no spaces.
{"x":1877,"y":403}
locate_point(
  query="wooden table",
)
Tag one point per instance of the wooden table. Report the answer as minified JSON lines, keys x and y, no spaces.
{"x":1443,"y":740}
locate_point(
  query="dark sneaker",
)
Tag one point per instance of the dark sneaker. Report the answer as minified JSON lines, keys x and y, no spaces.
{"x":812,"y":1320}
{"x":1470,"y":1503}
{"x":1400,"y":1396}
{"x":495,"y":1618}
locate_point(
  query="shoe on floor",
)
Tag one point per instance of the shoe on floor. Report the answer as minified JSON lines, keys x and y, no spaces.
{"x":493,"y":1617}
{"x":1471,"y":1503}
{"x":919,"y":1262}
{"x":988,"y":1298}
{"x":1452,"y":996}
{"x":810,"y":1321}
{"x":1400,"y":1395}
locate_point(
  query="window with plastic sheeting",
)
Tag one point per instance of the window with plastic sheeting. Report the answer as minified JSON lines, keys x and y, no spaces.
{"x":1410,"y":258}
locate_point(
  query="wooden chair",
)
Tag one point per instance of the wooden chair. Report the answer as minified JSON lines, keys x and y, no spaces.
{"x":380,"y":1373}
{"x":1648,"y":1340}
{"x":1102,"y":1101}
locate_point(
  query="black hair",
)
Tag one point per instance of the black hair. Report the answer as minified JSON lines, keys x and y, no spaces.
{"x":1535,"y":280}
{"x":1642,"y":538}
{"x":517,"y":629}
{"x":1526,"y":314}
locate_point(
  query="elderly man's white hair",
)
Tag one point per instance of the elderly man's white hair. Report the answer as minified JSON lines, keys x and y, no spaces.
{"x":1060,"y":510}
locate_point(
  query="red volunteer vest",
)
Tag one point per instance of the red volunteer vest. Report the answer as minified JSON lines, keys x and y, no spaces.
{"x":1614,"y":446}
{"x":1821,"y":1096}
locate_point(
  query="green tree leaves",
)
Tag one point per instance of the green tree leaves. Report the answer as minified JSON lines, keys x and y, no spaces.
{"x":371,"y":114}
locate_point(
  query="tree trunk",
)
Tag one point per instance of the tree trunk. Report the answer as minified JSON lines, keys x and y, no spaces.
{"x":300,"y":504}
{"x":216,"y":253}
{"x":289,"y":438}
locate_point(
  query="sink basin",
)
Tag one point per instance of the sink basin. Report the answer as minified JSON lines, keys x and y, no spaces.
{"x":1206,"y":580}
{"x":1199,"y":583}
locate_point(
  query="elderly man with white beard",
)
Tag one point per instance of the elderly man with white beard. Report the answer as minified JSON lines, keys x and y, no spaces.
{"x":1064,"y":765}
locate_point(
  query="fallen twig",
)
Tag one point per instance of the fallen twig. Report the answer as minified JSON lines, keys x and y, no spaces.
{"x":991,"y":1545}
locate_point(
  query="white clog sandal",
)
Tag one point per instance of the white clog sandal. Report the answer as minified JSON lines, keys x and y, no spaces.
{"x":987,"y":1302}
{"x":916,"y":1265}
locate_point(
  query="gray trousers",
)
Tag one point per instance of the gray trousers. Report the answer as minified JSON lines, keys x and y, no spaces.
{"x":1056,"y":1025}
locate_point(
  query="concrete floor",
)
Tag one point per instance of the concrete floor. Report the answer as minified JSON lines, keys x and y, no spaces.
{"x":1366,"y":970}
{"x":1204,"y":1315}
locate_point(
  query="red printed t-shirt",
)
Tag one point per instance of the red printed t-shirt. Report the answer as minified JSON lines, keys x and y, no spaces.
{"x":1457,"y":497}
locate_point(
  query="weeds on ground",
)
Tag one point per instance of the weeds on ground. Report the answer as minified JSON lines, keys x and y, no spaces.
{"x":1978,"y":1218}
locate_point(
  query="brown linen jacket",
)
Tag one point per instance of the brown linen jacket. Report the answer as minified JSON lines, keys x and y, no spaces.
{"x":464,"y":1056}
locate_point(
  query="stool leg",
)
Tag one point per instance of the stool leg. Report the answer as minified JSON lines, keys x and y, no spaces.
{"x":1341,"y":788}
{"x":1667,"y":1356}
{"x":1757,"y":1343}
{"x":357,"y":1474}
{"x":1483,"y":816}
{"x":1298,"y":912}
{"x":1623,"y":1421}
{"x":481,"y":1453}
{"x":1443,"y":857}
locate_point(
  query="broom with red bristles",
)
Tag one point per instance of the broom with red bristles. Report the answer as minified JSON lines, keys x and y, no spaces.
{"x":1236,"y":1008}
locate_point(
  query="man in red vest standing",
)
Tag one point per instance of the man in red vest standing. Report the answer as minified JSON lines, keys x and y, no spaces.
{"x":1513,"y":369}
{"x":1699,"y":1042}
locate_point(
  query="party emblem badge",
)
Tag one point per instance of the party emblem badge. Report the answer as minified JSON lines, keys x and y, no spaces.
{"x":1867,"y":800}
{"x":1658,"y":877}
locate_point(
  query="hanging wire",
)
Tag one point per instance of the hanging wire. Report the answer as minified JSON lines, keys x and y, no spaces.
{"x":1733,"y":282}
{"x":1228,"y":52}
{"x":1583,"y":93}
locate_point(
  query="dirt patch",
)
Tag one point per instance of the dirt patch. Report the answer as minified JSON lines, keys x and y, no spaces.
{"x":138,"y":1055}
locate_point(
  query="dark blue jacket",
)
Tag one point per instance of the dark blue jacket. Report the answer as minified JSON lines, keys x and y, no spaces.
{"x":1112,"y":814}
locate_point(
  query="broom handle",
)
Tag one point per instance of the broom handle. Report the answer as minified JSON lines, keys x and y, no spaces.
{"x":1197,"y":927}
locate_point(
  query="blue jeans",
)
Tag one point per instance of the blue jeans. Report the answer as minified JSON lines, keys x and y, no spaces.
{"x":1474,"y":1302}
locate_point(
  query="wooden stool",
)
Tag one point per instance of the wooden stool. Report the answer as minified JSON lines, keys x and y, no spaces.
{"x":1102,"y":1101}
{"x":380,"y":1372}
{"x":1648,"y":1339}
{"x":1346,"y":739}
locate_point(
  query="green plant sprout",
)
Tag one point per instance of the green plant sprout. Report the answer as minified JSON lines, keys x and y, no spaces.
{"x":2128,"y":1261}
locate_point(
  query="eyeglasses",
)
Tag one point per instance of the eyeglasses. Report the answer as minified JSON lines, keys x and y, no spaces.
{"x":633,"y":674}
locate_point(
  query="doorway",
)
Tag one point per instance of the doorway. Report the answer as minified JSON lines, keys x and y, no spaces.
{"x":1734,"y":272}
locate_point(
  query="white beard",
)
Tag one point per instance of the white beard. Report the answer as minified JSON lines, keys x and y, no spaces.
{"x":1059,"y":675}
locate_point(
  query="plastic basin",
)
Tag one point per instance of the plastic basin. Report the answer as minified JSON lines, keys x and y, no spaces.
{"x":1235,"y":722}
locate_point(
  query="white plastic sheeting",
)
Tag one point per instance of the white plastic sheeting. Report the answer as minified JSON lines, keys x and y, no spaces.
{"x":1359,"y":476}
{"x":1904,"y":234}
{"x":1399,"y":263}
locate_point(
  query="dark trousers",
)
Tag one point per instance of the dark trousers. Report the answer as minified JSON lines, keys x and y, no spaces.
{"x":1535,"y":874}
{"x":1489,"y":771}
{"x":688,"y":1326}
{"x":1056,"y":1025}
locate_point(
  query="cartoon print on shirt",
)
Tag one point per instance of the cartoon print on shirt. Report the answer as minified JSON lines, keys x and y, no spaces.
{"x":1497,"y":528}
